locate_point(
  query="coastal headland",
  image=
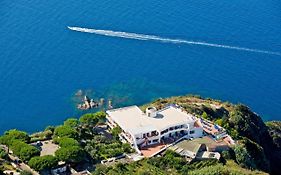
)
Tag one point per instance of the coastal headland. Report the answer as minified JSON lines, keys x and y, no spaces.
{"x":87,"y":144}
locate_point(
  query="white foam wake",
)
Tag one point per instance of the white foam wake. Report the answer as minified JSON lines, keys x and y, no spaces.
{"x":137,"y":36}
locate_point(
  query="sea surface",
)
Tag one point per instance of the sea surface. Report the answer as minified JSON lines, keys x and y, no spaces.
{"x":43,"y":63}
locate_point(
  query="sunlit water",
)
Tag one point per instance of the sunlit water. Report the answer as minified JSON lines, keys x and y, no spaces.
{"x":43,"y":63}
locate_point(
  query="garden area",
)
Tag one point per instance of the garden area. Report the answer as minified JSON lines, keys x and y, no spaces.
{"x":172,"y":163}
{"x":86,"y":139}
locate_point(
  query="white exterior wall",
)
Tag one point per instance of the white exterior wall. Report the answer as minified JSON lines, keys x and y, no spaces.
{"x":149,"y":138}
{"x":110,"y":122}
{"x":132,"y":131}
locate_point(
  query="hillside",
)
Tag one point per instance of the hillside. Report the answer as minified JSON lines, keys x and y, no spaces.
{"x":258,"y":143}
{"x":173,"y":164}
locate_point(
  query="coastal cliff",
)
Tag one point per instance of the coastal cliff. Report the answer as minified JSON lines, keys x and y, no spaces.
{"x":259,"y":142}
{"x":257,"y":148}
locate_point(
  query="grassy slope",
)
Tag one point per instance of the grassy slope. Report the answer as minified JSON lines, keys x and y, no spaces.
{"x":230,"y":168}
{"x":194,"y":104}
{"x":144,"y":167}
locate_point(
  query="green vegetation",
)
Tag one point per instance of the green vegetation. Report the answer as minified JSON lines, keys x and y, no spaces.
{"x":43,"y":163}
{"x":88,"y":120}
{"x":260,"y":142}
{"x":172,"y":163}
{"x":101,"y":147}
{"x":17,"y":142}
{"x":65,"y":131}
{"x":50,"y":128}
{"x":72,"y":122}
{"x":274,"y":128}
{"x":72,"y":132}
{"x":251,"y":155}
{"x":5,"y":165}
{"x":41,"y":136}
{"x":23,"y":150}
{"x":11,"y":135}
{"x":71,"y":154}
{"x":258,"y":146}
{"x":25,"y":173}
{"x":27,"y":152}
{"x":222,"y":169}
{"x":3,"y":154}
{"x":67,"y":136}
{"x":67,"y":142}
{"x":116,"y":131}
{"x":205,"y":115}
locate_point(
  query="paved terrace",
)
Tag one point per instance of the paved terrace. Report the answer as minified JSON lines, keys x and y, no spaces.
{"x":151,"y":150}
{"x":47,"y":147}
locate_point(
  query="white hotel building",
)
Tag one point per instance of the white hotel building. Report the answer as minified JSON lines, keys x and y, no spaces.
{"x":153,"y":127}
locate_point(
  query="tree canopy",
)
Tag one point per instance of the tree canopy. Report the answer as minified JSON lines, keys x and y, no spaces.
{"x":65,"y":131}
{"x":100,"y":115}
{"x":67,"y":142}
{"x":23,"y":150}
{"x":11,"y":135}
{"x":42,"y":163}
{"x":71,"y":154}
{"x":27,"y":152}
{"x":72,"y":122}
{"x":89,"y":119}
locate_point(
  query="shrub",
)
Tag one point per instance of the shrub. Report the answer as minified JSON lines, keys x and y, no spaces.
{"x":116,"y":131}
{"x":127,"y":148}
{"x":3,"y":154}
{"x":24,"y":172}
{"x":205,"y":115}
{"x":50,"y":128}
{"x":229,"y":154}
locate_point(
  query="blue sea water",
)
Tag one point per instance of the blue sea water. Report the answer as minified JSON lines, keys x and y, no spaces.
{"x":42,"y":63}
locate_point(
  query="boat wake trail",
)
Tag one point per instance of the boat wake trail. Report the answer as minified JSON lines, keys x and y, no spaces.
{"x":137,"y":36}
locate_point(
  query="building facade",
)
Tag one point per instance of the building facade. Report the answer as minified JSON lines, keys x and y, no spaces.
{"x":153,"y":126}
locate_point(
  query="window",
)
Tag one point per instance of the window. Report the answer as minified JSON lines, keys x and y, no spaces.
{"x":156,"y":140}
{"x":191,"y":132}
{"x":154,"y":133}
{"x":163,"y":132}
